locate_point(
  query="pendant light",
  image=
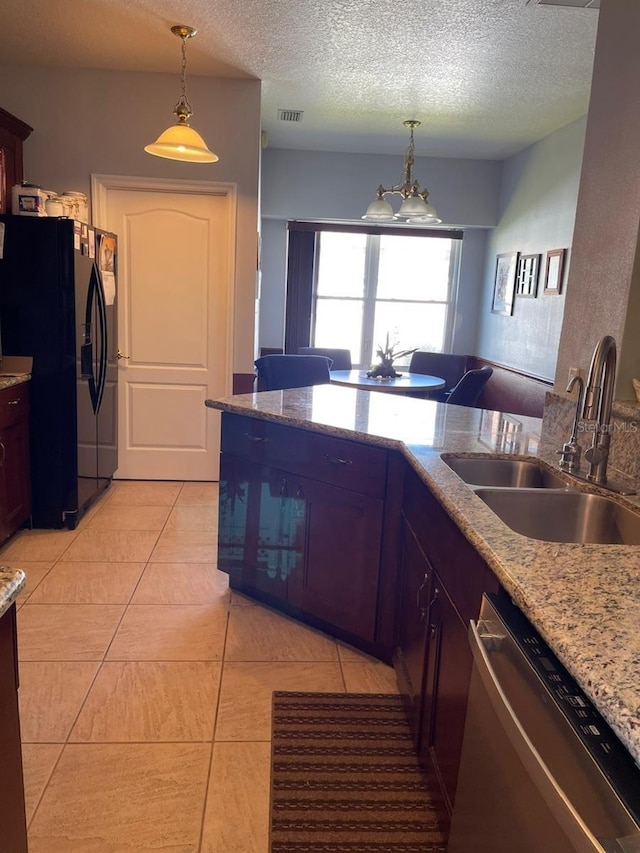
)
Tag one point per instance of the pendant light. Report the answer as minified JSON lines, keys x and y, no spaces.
{"x":414,"y":207}
{"x":180,"y":141}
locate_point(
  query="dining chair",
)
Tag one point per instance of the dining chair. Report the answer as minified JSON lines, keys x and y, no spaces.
{"x":447,"y":366}
{"x":341,"y":357}
{"x":468,"y":389}
{"x":276,"y":372}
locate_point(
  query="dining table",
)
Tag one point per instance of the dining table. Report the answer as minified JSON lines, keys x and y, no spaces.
{"x":405,"y":383}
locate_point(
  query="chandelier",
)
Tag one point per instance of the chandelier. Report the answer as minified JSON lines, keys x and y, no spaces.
{"x":414,"y":207}
{"x":180,"y":141}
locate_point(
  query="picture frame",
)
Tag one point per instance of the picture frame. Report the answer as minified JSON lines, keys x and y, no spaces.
{"x":527,"y":276}
{"x":504,"y":283}
{"x":554,"y":272}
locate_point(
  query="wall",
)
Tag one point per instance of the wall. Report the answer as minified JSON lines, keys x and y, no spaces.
{"x":273,"y":280}
{"x":604,"y":281}
{"x":99,"y":121}
{"x":316,"y":185}
{"x":329,"y":185}
{"x":537,"y":212}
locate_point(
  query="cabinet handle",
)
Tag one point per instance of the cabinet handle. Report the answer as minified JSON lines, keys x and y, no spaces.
{"x":423,"y":585}
{"x":433,"y":627}
{"x":336,"y":460}
{"x":14,"y":402}
{"x":255,"y":437}
{"x":2,"y":457}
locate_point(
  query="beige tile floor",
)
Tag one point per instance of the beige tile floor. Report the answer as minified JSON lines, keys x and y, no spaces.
{"x":146,"y":684}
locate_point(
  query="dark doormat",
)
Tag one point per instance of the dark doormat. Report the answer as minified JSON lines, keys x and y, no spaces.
{"x":345,"y":777}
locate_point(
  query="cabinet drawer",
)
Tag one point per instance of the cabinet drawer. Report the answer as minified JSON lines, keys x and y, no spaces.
{"x":14,"y":404}
{"x":339,"y":462}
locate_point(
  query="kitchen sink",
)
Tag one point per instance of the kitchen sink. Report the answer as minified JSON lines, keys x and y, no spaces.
{"x":512,"y":473}
{"x":557,"y":516}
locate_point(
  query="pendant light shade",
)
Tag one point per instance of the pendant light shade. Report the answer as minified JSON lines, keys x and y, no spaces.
{"x":181,"y":141}
{"x":412,"y":208}
{"x":380,"y":210}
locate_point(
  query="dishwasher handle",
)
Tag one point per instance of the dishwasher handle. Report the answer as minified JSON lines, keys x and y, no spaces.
{"x":540,"y":775}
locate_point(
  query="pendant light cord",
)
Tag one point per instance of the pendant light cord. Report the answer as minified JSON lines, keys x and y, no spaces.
{"x":183,"y":108}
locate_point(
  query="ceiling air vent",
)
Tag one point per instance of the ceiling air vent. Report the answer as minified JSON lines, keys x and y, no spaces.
{"x":290,"y":115}
{"x":576,"y":4}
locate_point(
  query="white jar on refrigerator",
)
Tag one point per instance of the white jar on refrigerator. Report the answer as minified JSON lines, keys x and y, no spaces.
{"x":79,"y":203}
{"x":28,"y":200}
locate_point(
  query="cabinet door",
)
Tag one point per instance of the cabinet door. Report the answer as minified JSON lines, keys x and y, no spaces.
{"x":15,"y":487}
{"x":257,"y":543}
{"x":415,"y":589}
{"x":14,"y":447}
{"x":448,"y":672}
{"x":339,"y":533}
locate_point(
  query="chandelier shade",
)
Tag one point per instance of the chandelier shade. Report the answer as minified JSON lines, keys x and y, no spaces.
{"x":414,"y":207}
{"x":181,"y":141}
{"x":380,"y":210}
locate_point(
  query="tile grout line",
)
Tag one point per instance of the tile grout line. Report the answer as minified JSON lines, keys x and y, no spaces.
{"x":210,"y":769}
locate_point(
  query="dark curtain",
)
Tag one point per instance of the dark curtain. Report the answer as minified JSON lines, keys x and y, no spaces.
{"x":300,"y":262}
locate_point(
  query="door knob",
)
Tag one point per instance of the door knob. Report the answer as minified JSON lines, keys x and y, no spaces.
{"x":120,"y":355}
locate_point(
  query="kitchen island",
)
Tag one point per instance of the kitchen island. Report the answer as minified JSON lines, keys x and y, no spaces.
{"x":582,"y":598}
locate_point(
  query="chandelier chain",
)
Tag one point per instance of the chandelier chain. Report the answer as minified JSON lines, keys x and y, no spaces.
{"x":183,"y":108}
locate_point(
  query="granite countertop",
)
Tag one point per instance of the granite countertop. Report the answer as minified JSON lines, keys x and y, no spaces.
{"x":11,"y":582}
{"x":583,"y":599}
{"x":9,"y":381}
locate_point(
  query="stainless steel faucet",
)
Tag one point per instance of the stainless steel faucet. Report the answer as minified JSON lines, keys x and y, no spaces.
{"x":570,"y":453}
{"x":598,"y":397}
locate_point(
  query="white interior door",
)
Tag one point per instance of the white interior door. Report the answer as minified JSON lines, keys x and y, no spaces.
{"x":175,"y":261}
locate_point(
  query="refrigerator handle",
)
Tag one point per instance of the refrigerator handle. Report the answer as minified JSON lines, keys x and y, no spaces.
{"x":102,"y":319}
{"x":86,"y":351}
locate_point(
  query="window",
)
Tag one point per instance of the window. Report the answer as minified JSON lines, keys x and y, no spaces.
{"x":367,"y":285}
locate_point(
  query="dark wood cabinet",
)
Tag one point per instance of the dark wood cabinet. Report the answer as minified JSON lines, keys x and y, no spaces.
{"x":415,"y":593}
{"x":339,"y":535}
{"x":13,"y":132}
{"x":15,"y":489}
{"x":442,"y":578}
{"x":13,"y":827}
{"x":301,"y":523}
{"x":446,"y":688}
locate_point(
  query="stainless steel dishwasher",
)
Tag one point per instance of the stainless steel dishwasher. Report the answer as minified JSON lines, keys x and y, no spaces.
{"x":541,"y":771}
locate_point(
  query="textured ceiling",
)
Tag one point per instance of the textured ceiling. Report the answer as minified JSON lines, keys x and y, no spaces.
{"x":486,"y":77}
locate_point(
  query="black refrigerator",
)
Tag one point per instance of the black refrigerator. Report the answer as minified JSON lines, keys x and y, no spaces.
{"x":58,"y":304}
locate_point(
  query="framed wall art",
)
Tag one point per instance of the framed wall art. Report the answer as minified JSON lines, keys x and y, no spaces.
{"x":504,"y":284}
{"x":527,"y":276}
{"x":554,"y":271}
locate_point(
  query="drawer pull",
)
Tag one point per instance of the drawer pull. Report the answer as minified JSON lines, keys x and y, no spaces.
{"x":255,"y":437}
{"x":14,"y":402}
{"x":336,"y":460}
